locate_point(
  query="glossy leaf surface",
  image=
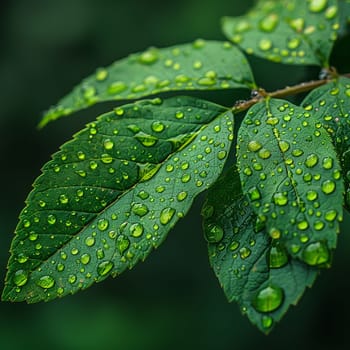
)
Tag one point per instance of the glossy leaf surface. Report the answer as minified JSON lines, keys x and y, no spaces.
{"x":330,"y":104}
{"x":294,"y":32}
{"x":291,"y":174}
{"x":202,"y":65}
{"x":247,"y":262}
{"x":111,"y":195}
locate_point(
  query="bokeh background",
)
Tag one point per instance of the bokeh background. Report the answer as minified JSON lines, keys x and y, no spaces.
{"x":173,"y":300}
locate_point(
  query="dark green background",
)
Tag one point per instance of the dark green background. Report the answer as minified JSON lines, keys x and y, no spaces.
{"x":172,"y":301}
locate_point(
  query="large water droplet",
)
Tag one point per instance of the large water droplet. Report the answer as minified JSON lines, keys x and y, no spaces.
{"x":149,"y":57}
{"x":85,"y":259}
{"x":269,"y":23}
{"x":280,"y":199}
{"x":317,"y":5}
{"x":166,"y":215}
{"x":139,"y":209}
{"x":122,"y":243}
{"x":311,"y":160}
{"x":136,"y":230}
{"x":315,"y":253}
{"x":213,"y":233}
{"x":20,"y":278}
{"x":102,"y":224}
{"x":268,"y":299}
{"x":328,"y":186}
{"x":46,"y":282}
{"x":254,"y":146}
{"x":145,"y":139}
{"x":104,"y":267}
{"x":277,"y":257}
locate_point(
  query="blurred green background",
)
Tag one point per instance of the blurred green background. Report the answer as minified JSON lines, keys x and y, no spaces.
{"x":173,"y":300}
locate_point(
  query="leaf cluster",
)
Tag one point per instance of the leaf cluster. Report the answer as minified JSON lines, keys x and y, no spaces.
{"x":110,"y":196}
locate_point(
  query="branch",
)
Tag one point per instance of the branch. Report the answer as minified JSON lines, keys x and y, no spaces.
{"x":258,"y":95}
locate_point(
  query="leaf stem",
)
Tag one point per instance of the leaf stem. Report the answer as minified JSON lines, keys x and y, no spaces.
{"x":258,"y":95}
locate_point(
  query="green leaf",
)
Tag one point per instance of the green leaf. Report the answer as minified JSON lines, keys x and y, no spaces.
{"x":249,"y":263}
{"x":112,"y":194}
{"x":330,"y":104}
{"x":290,"y":172}
{"x":202,"y":65}
{"x":287,"y":31}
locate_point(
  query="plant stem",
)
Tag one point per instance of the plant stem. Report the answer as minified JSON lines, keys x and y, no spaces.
{"x":241,"y":106}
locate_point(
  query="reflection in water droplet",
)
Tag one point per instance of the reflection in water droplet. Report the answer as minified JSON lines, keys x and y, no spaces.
{"x":136,"y":230}
{"x":166,"y":215}
{"x":268,"y":299}
{"x":102,"y":224}
{"x":139,"y":209}
{"x":316,"y":253}
{"x":20,"y":278}
{"x":277,"y":257}
{"x":46,"y":282}
{"x":104,"y":267}
{"x":213,"y":233}
{"x":328,"y":186}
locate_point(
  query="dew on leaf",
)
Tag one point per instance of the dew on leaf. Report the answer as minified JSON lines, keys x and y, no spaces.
{"x":104,"y":267}
{"x":149,"y":57}
{"x":181,"y":196}
{"x":254,"y":146}
{"x":102,"y":224}
{"x":331,"y":215}
{"x":85,"y":259}
{"x":264,"y":153}
{"x":51,"y":219}
{"x":20,"y":278}
{"x":317,"y":5}
{"x":268,"y":299}
{"x":254,"y":193}
{"x":277,"y":256}
{"x":136,"y":230}
{"x":139,"y":209}
{"x":108,"y":144}
{"x":311,"y":160}
{"x":269,"y":23}
{"x":244,"y":253}
{"x":213,"y":233}
{"x":315,"y":254}
{"x":328,"y":186}
{"x":280,"y":199}
{"x":122,"y":243}
{"x":265,"y":44}
{"x":72,"y":279}
{"x":266,"y":322}
{"x":64,"y":199}
{"x":46,"y":282}
{"x":166,"y":215}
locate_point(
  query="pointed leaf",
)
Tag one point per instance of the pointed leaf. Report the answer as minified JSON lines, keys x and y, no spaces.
{"x":247,"y":262}
{"x":290,"y":171}
{"x":294,"y":32}
{"x":330,"y":104}
{"x":202,"y":65}
{"x":111,"y":195}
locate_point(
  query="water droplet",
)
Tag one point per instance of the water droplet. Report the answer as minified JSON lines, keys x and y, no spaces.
{"x":264,"y":153}
{"x":181,"y":196}
{"x":185,"y":178}
{"x":317,"y":5}
{"x":60,"y":267}
{"x":269,"y":23}
{"x":254,"y":193}
{"x":330,"y":215}
{"x":72,"y":279}
{"x":303,"y":225}
{"x":179,"y":115}
{"x":102,"y":224}
{"x":221,"y":155}
{"x":139,"y":209}
{"x":123,"y":244}
{"x":104,"y":267}
{"x":145,"y":139}
{"x":20,"y":278}
{"x":280,"y":199}
{"x":284,"y":146}
{"x":265,"y":44}
{"x":51,"y":219}
{"x":293,"y":43}
{"x":205,"y":81}
{"x":266,"y":322}
{"x":106,"y":158}
{"x":149,"y":57}
{"x":244,"y":252}
{"x":315,"y":254}
{"x":85,"y":259}
{"x":327,"y":163}
{"x":328,"y":186}
{"x":311,"y":160}
{"x":81,"y":173}
{"x":136,"y":230}
{"x":143,"y":195}
{"x":158,"y":126}
{"x":277,"y":257}
{"x":21,"y":258}
{"x":74,"y":251}
{"x":213,"y":233}
{"x":46,"y":282}
{"x":108,"y":144}
{"x":101,"y":74}
{"x":297,"y":152}
{"x":254,"y":146}
{"x":274,"y":233}
{"x":64,"y":199}
{"x":268,"y":299}
{"x":166,"y":215}
{"x":311,"y":195}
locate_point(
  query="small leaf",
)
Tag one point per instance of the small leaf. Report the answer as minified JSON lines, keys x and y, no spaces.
{"x":248,"y":262}
{"x":291,"y":174}
{"x":294,"y":32}
{"x":330,"y":104}
{"x":202,"y":65}
{"x":111,"y":195}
